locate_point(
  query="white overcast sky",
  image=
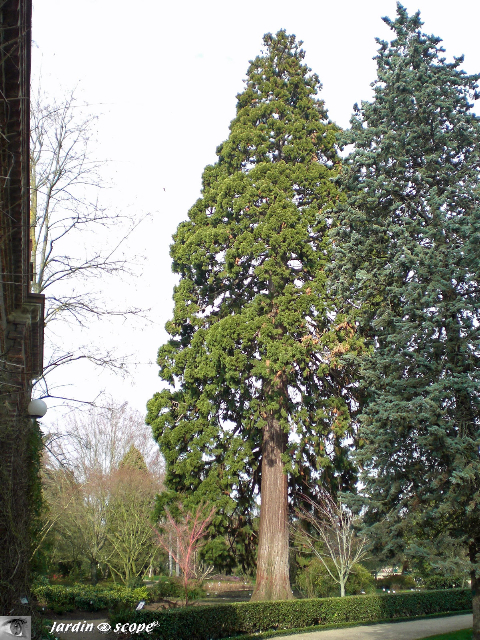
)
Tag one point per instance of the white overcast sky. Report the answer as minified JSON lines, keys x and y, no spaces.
{"x":163,"y":76}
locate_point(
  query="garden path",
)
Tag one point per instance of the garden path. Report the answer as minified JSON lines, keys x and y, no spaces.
{"x":412,"y":630}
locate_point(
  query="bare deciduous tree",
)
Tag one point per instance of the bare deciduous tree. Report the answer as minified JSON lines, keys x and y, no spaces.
{"x":65,"y":221}
{"x":331,"y":535}
{"x":98,"y":438}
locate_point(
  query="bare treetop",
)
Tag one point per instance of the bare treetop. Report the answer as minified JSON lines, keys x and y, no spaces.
{"x":76,"y":242}
{"x":99,"y":438}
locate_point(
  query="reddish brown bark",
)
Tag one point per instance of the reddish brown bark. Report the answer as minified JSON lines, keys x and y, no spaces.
{"x":273,"y":580}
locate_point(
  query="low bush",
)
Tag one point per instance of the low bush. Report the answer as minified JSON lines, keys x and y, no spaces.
{"x":314,"y":581}
{"x":88,"y":598}
{"x":135,"y":583}
{"x":167,"y":588}
{"x":360,"y":581}
{"x":41,"y":628}
{"x":39,"y":580}
{"x":214,"y":622}
{"x":397,"y":582}
{"x":172,"y":587}
{"x":196,"y":592}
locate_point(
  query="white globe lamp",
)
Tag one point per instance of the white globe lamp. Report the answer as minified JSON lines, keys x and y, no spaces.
{"x":37,"y":409}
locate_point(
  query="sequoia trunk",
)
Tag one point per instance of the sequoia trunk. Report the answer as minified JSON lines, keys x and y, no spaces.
{"x":273,"y":580}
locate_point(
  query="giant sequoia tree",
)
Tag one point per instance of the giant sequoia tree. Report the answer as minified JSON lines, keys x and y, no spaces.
{"x":257,"y":384}
{"x":408,"y":255}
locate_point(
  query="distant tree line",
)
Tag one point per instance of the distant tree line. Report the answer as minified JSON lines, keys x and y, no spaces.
{"x":100,"y":478}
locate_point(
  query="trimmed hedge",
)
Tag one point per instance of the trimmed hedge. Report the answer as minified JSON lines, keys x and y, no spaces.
{"x":214,"y":622}
{"x":443,"y":582}
{"x":89,"y":598}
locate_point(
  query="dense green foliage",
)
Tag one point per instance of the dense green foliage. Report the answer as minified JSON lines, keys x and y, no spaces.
{"x":133,"y":459}
{"x":408,"y":258}
{"x":210,"y":623}
{"x":252,"y":336}
{"x":314,"y":581}
{"x":172,"y":587}
{"x":90,"y":598}
{"x":443,"y":582}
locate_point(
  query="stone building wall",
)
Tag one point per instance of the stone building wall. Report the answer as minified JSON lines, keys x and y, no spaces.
{"x":21,"y":314}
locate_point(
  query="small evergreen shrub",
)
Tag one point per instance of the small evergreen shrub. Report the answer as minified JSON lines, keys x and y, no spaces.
{"x":215,"y":622}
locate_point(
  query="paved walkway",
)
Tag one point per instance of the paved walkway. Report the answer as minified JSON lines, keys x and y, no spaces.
{"x":412,"y":630}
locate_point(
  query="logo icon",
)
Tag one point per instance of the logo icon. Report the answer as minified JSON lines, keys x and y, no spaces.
{"x":104,"y":627}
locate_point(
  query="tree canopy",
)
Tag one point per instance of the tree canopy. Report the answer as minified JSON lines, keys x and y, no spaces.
{"x":408,"y":258}
{"x":257,"y":363}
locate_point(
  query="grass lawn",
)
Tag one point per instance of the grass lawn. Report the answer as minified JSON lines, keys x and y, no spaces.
{"x":465,"y":634}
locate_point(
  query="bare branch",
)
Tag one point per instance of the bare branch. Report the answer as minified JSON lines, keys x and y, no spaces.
{"x":330,"y":534}
{"x":187,"y":531}
{"x":65,"y":213}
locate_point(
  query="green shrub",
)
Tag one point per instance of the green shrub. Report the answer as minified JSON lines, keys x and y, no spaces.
{"x":443,"y":582}
{"x":41,"y":628}
{"x":396,"y":582}
{"x":89,"y":598}
{"x":135,"y":583}
{"x":167,"y":588}
{"x":172,"y":587}
{"x":60,"y":609}
{"x":196,"y":592}
{"x":214,"y":622}
{"x":314,"y":581}
{"x":39,"y":580}
{"x":360,"y":580}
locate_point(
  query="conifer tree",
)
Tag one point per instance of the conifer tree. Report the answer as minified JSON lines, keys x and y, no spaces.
{"x":408,"y":255}
{"x":133,"y":459}
{"x":256,"y":364}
